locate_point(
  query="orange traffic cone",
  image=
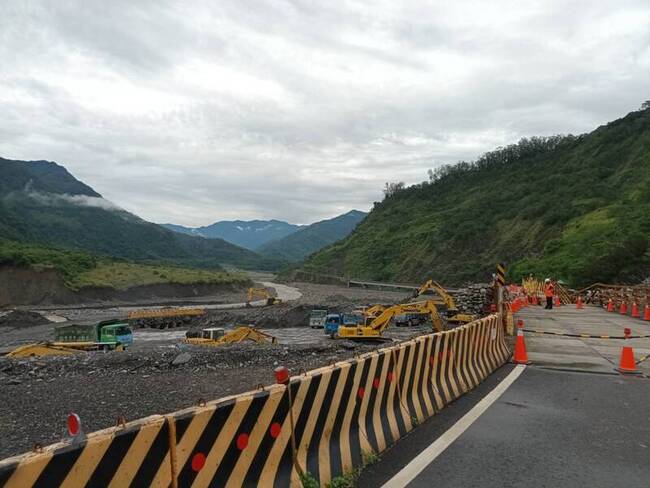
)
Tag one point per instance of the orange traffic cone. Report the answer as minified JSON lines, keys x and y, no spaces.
{"x":635,"y":310}
{"x":579,"y":304}
{"x":556,"y":301}
{"x":646,"y":313}
{"x":627,"y":364}
{"x":610,"y":305}
{"x":623,"y":308}
{"x":520,"y":356}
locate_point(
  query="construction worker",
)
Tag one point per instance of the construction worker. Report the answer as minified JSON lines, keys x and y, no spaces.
{"x":549,"y":291}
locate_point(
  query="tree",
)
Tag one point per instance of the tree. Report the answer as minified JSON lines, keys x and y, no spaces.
{"x":391,"y":188}
{"x":645,"y":105}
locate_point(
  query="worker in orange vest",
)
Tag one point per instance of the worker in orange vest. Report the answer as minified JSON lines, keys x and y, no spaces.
{"x":549,"y":291}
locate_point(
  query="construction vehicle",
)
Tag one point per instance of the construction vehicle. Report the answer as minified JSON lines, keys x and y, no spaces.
{"x":217,"y":336}
{"x":334,"y":321}
{"x":41,"y":349}
{"x":452,"y":313}
{"x":263,"y":294}
{"x":317,"y":319}
{"x":375,"y":328}
{"x":164,"y":318}
{"x":410,"y":319}
{"x":70,"y":339}
{"x":106,"y":335}
{"x":373,"y":311}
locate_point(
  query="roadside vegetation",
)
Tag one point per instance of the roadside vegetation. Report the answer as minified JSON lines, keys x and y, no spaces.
{"x":80,"y":269}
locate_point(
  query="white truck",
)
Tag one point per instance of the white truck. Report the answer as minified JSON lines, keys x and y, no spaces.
{"x":317,"y":319}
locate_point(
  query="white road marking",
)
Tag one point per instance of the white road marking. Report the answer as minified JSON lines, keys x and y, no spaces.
{"x":426,"y":457}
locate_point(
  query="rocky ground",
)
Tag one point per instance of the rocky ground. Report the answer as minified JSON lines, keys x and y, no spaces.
{"x":36,"y":394}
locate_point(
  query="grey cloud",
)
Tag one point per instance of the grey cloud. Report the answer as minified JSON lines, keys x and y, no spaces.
{"x":301,"y":110}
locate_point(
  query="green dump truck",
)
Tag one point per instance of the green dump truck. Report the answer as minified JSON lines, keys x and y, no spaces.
{"x":106,"y":335}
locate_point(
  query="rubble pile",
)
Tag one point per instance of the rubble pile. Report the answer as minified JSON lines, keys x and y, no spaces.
{"x":22,"y":318}
{"x":474,"y":298}
{"x":185,"y":357}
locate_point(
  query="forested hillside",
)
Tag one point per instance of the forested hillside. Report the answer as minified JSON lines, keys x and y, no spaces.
{"x":573,"y":208}
{"x":41,"y":203}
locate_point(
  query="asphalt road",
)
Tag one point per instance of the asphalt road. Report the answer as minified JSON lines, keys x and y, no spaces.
{"x":549,"y":429}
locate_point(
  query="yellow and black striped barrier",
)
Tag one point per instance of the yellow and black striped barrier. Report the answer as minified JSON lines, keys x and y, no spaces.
{"x":585,"y":336}
{"x":644,"y":358}
{"x":338,"y":414}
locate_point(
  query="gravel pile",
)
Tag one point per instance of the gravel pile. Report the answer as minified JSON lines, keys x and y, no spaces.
{"x":22,"y":318}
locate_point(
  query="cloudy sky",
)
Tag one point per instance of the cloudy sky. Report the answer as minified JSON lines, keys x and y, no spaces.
{"x":191,"y":112}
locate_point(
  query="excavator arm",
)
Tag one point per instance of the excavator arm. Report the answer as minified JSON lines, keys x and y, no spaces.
{"x":447,"y":300}
{"x":376,"y":327}
{"x":374,"y":311}
{"x":240,"y":334}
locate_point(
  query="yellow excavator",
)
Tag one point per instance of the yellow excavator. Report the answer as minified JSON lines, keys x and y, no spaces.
{"x":261,"y":293}
{"x":453,"y":316}
{"x":369,"y":313}
{"x":217,"y":336}
{"x":375,"y":328}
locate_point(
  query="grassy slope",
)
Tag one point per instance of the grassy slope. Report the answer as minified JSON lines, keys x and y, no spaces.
{"x":579,"y":212}
{"x":81,"y":269}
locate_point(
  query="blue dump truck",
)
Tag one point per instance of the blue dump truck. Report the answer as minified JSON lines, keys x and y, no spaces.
{"x":334,"y":320}
{"x":106,"y":335}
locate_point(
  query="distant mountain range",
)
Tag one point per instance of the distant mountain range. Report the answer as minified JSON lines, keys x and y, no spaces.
{"x":42,"y":203}
{"x":250,"y":234}
{"x":311,"y":238}
{"x":278,"y":239}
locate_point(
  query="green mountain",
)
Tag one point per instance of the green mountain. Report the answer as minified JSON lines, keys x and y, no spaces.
{"x":573,"y":208}
{"x":297,"y":246}
{"x":41,"y":203}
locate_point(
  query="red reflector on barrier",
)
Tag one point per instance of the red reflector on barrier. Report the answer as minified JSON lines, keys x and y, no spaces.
{"x":74,"y":424}
{"x":198,"y":461}
{"x":375,"y":383}
{"x":242,"y":441}
{"x":360,"y":392}
{"x":275,"y":429}
{"x":281,"y":375}
{"x":389,"y":376}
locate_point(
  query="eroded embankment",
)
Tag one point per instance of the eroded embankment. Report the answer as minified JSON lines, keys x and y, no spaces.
{"x":29,"y":286}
